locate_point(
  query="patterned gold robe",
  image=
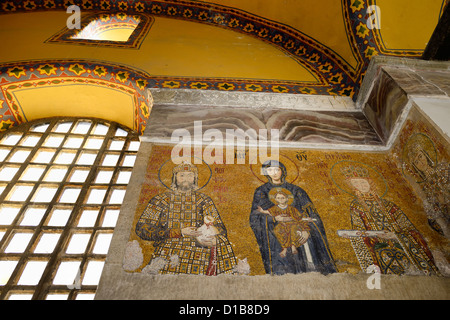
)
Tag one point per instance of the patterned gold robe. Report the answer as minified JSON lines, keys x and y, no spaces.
{"x":408,"y":252}
{"x":286,"y":232}
{"x":162,"y":221}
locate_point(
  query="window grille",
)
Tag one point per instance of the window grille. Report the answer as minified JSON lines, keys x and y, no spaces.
{"x":62,"y":182}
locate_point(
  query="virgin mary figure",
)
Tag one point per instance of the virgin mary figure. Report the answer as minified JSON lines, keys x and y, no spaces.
{"x":313,"y":253}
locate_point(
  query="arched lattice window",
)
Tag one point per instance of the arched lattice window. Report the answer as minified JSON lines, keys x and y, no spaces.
{"x":62,"y":182}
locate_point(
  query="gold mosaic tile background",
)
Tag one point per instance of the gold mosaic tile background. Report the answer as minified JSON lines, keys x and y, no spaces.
{"x":231,"y":187}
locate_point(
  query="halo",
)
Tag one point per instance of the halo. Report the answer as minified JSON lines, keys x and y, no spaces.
{"x":423,"y":142}
{"x":291,"y":168}
{"x":339,"y":179}
{"x":166,"y":171}
{"x":275,"y":190}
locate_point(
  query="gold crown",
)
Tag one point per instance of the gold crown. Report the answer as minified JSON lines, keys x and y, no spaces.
{"x":185,"y":167}
{"x":355,"y":172}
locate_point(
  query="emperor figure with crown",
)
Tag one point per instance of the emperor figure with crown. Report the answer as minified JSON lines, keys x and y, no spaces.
{"x":174,"y":222}
{"x":382,"y":235}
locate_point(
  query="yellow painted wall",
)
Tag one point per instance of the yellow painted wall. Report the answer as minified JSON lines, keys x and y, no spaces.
{"x":321,"y":20}
{"x":408,"y":24}
{"x":77,"y":100}
{"x":171,"y":48}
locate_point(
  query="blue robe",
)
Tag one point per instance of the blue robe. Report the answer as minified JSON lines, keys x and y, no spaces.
{"x":263,"y":224}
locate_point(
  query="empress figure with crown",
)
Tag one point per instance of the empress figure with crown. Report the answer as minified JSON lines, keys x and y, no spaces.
{"x":173,"y":221}
{"x":382,"y":235}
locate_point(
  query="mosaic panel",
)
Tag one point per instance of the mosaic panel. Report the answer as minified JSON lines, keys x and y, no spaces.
{"x":310,"y":211}
{"x":424,"y":159}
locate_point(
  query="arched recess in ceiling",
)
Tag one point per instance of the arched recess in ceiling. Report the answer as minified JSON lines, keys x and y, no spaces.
{"x":333,"y":73}
{"x":73,"y":88}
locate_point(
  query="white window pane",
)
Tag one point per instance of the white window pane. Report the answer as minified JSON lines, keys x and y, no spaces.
{"x":78,"y":243}
{"x":96,"y":196}
{"x":2,"y":233}
{"x":18,"y":243}
{"x":124,"y":177}
{"x":53,"y":141}
{"x":7,"y":173}
{"x":4,"y":153}
{"x":20,"y":193}
{"x":56,"y":174}
{"x":104,"y":176}
{"x":43,"y":156}
{"x":110,"y":219}
{"x":129,"y":161}
{"x":47,"y":243}
{"x":6,"y":269}
{"x":7,"y":214}
{"x":57,"y":296}
{"x":40,"y":127}
{"x":67,"y":273}
{"x":86,"y":158}
{"x":93,"y":273}
{"x":32,"y":273}
{"x":102,"y":243}
{"x":63,"y":127}
{"x":134,"y":146}
{"x":32,"y":173}
{"x":93,"y":143}
{"x":79,"y":176}
{"x":33,"y":216}
{"x":20,"y":296}
{"x":82,"y":127}
{"x":110,"y":160}
{"x":70,"y":195}
{"x":85,"y":296}
{"x":121,"y":133}
{"x":59,"y":217}
{"x":30,"y":141}
{"x":117,"y":196}
{"x":88,"y":218}
{"x":45,"y":194}
{"x":73,"y":143}
{"x":19,"y":156}
{"x":65,"y":157}
{"x":116,"y":145}
{"x":101,"y":129}
{"x":12,"y":139}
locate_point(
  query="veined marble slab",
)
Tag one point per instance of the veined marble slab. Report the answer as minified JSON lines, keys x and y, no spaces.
{"x":333,"y":128}
{"x":251,"y":99}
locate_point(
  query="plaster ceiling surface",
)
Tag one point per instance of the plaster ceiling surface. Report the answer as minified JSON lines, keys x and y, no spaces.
{"x":284,"y":46}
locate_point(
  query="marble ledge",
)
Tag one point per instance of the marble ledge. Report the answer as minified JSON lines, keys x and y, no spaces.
{"x":432,"y":77}
{"x":281,"y":145}
{"x":312,"y":129}
{"x":254,"y":100}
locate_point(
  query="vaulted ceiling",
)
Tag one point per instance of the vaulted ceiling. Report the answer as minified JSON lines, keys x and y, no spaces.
{"x":286,"y":46}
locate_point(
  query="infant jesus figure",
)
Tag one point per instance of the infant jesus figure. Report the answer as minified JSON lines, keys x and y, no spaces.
{"x":292,"y":228}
